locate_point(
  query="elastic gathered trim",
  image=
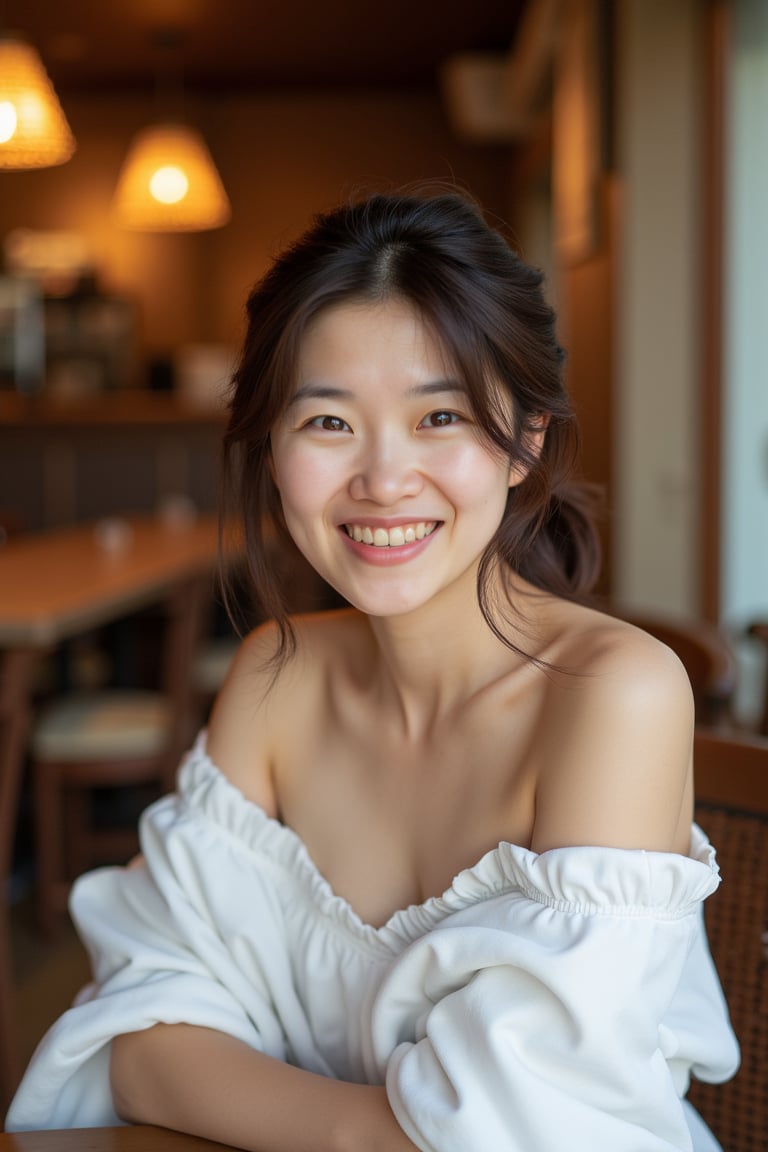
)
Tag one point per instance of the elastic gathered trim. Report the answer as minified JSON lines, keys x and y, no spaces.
{"x":587,"y":881}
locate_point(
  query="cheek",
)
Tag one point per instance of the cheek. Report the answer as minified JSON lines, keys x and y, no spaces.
{"x":303,"y":479}
{"x":477,"y":477}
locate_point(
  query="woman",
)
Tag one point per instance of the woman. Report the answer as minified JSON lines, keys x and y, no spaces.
{"x":430,"y":880}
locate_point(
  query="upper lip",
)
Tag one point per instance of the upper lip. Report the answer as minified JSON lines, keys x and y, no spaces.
{"x":389,"y":521}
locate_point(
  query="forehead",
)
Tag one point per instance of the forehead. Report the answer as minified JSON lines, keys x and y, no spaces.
{"x":357,"y":329}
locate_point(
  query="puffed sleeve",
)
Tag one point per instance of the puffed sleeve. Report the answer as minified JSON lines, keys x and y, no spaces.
{"x":551,"y":1017}
{"x":193,"y":934}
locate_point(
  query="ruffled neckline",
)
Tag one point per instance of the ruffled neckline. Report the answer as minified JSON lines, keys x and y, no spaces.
{"x":587,"y":880}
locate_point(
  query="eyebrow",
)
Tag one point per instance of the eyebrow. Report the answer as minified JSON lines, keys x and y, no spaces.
{"x":329,"y":392}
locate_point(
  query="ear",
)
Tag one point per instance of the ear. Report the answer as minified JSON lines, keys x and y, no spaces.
{"x":534,"y":442}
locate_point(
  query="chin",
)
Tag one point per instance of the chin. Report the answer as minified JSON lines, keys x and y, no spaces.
{"x":391,"y":608}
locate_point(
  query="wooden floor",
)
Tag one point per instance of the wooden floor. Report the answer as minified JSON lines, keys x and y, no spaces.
{"x":47,"y":976}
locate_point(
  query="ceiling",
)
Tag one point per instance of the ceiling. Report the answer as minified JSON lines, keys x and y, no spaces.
{"x":226,"y":45}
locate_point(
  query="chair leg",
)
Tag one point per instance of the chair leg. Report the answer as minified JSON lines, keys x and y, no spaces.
{"x":77,"y":856}
{"x":48,"y":845}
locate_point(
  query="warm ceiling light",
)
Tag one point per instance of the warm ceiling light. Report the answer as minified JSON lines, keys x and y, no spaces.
{"x":34,"y":132}
{"x":169,"y":183}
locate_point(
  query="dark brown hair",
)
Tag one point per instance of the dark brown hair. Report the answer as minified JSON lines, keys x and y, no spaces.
{"x":486,"y":308}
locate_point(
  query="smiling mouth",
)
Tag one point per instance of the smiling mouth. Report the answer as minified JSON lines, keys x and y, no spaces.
{"x":390,"y":537}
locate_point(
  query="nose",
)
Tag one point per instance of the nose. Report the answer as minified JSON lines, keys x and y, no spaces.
{"x":387,"y":471}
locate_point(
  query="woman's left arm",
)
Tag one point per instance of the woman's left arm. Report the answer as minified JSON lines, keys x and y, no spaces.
{"x":551,"y":1016}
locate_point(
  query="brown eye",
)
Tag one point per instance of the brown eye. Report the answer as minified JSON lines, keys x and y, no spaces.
{"x":330,"y":423}
{"x":440,"y":419}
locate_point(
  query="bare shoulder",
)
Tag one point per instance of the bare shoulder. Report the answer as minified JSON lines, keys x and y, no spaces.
{"x":615,"y":765}
{"x":264,"y":700}
{"x":610,"y":656}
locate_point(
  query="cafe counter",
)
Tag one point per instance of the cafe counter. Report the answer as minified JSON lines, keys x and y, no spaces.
{"x":116,"y":453}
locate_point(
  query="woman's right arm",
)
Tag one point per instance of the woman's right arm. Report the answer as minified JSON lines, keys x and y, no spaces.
{"x":204,"y":1082}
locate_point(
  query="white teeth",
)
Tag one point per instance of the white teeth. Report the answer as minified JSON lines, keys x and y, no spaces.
{"x":392,"y":538}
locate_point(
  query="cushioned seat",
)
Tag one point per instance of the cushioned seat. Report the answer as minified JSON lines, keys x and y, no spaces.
{"x":85,"y":744}
{"x":103,"y":724}
{"x":212,"y":664}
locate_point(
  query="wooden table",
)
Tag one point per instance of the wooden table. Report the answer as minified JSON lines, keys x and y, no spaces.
{"x":53,"y":586}
{"x":141,"y":1138}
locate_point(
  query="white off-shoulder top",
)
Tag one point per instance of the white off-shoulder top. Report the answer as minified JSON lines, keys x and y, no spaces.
{"x":549,"y":1001}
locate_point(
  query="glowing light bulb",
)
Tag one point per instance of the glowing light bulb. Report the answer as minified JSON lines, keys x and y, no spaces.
{"x":8,"y":121}
{"x":169,"y":184}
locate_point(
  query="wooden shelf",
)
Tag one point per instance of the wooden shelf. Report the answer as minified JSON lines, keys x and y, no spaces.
{"x":117,"y":454}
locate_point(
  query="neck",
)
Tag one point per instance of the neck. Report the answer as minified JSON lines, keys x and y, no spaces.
{"x":434,"y":660}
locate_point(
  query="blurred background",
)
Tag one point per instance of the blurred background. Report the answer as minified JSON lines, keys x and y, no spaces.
{"x":622,"y":145}
{"x":620,"y":141}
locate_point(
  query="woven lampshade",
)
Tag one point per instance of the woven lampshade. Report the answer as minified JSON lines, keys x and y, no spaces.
{"x":34,"y":132}
{"x":169,"y":183}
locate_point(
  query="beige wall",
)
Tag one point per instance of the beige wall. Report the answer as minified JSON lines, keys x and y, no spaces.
{"x":656,"y":430}
{"x":281,"y":157}
{"x":744,"y":587}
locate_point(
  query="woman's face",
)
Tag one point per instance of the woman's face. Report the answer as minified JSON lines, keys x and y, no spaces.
{"x":387,"y":486}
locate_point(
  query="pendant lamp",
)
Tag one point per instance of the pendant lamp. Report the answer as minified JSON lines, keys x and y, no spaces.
{"x":169,"y":182}
{"x":34,"y":132}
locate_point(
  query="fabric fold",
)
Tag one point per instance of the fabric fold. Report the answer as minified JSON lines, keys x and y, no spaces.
{"x":538,"y":997}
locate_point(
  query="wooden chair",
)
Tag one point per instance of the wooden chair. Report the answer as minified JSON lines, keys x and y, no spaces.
{"x":732,"y":807}
{"x":704,"y":651}
{"x":82,"y":743}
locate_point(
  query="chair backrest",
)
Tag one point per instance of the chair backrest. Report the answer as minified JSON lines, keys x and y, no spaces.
{"x":704,"y":651}
{"x":731,"y":774}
